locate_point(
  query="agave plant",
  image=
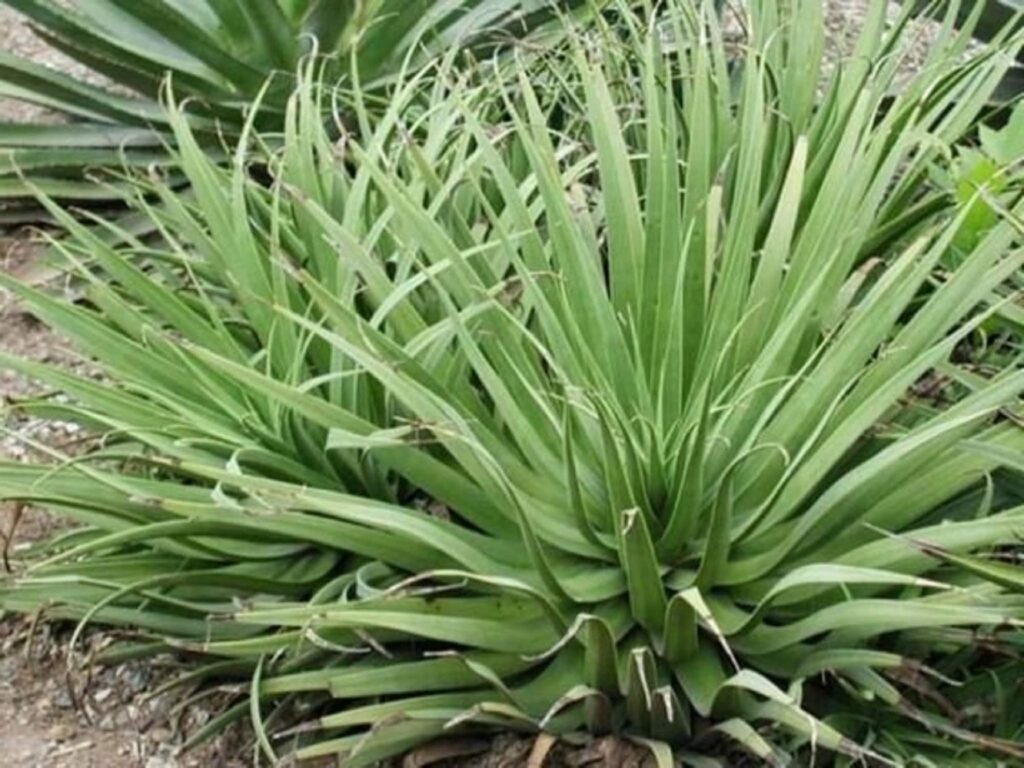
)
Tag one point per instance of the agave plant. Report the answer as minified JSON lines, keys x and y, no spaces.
{"x":219,"y":55}
{"x":577,"y":395}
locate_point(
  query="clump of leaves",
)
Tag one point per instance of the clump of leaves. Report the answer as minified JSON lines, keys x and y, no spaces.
{"x":573,"y":400}
{"x":989,"y":168}
{"x":985,"y":177}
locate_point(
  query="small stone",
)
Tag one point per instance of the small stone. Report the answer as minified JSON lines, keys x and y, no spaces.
{"x":61,"y":732}
{"x":161,"y":761}
{"x":138,"y":678}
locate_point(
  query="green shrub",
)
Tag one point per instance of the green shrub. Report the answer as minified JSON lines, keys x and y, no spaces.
{"x":570,"y":394}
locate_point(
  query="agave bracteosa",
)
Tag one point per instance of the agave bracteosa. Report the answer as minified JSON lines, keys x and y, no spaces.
{"x":573,"y":397}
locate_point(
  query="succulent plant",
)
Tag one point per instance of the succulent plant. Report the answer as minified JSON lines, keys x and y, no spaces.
{"x":576,"y":396}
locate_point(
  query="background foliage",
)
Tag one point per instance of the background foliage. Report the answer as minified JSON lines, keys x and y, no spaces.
{"x":218,"y":55}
